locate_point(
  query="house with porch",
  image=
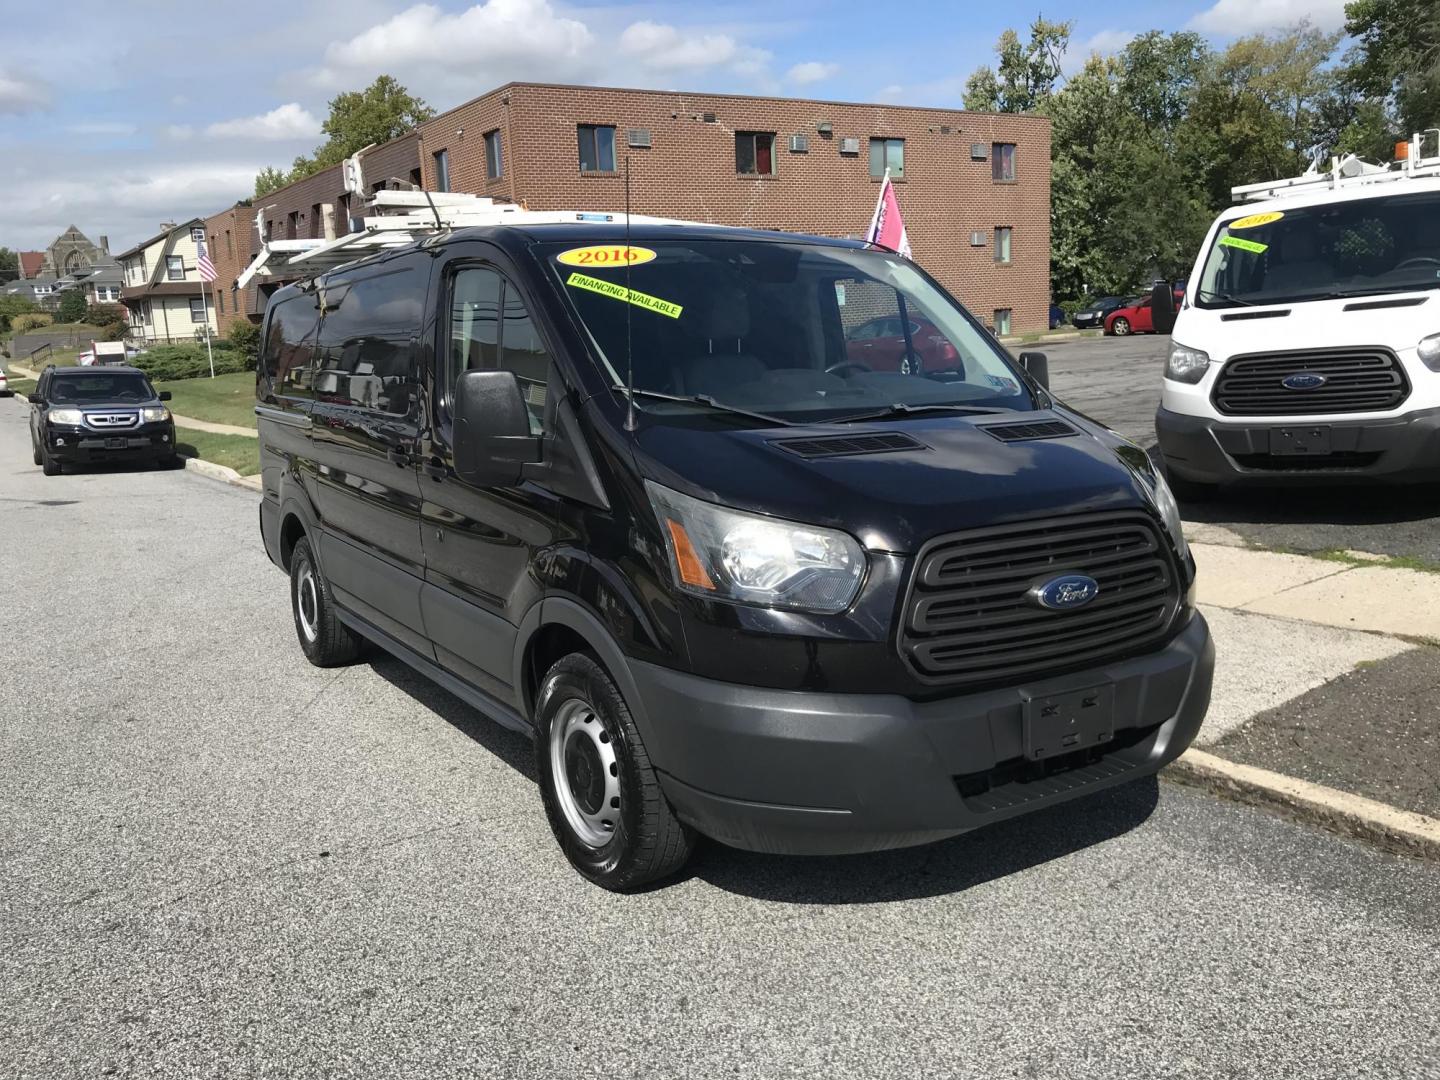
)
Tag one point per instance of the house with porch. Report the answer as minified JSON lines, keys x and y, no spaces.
{"x":161,"y":288}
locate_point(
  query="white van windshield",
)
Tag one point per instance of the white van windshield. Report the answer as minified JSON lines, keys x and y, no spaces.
{"x":803,"y":332}
{"x":1357,"y":248}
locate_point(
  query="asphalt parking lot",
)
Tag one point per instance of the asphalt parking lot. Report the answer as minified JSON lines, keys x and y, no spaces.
{"x":1117,"y":381}
{"x":219,"y":861}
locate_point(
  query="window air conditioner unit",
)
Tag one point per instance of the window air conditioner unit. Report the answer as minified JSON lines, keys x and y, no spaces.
{"x":977,"y":239}
{"x":850,"y":145}
{"x":799,"y":144}
{"x":638,"y":137}
{"x":979,"y":151}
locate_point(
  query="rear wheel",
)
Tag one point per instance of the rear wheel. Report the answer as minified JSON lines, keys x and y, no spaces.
{"x":324,"y":639}
{"x":600,"y":792}
{"x":1120,"y":327}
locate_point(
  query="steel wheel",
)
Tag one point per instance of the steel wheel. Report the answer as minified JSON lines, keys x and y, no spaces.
{"x":587,"y":776}
{"x":1121,"y":327}
{"x":307,"y":603}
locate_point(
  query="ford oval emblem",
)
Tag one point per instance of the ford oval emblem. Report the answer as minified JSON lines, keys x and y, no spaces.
{"x":1065,"y":592}
{"x":1304,"y":380}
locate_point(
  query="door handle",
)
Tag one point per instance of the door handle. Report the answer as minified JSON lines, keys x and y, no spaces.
{"x":399,"y":457}
{"x":434,"y":468}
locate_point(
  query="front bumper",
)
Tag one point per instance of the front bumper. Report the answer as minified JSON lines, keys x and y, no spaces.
{"x":1205,"y":450}
{"x":82,"y":446}
{"x":817,"y":773}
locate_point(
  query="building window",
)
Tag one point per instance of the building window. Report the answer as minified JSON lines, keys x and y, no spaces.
{"x":1002,"y":321}
{"x":197,"y":310}
{"x":315,"y":230}
{"x":197,"y":234}
{"x":174,"y":268}
{"x":492,"y":155}
{"x":755,"y":153}
{"x":442,"y":170}
{"x":104,"y":294}
{"x":597,"y":148}
{"x":219,"y":302}
{"x":1002,"y":243}
{"x":887,"y":154}
{"x":292,"y":225}
{"x":1002,"y":162}
{"x":229,"y":244}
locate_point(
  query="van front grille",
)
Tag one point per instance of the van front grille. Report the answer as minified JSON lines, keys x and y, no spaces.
{"x":970,"y":616}
{"x":1368,"y":379}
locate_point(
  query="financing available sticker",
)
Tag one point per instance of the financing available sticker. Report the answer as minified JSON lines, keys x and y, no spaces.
{"x":1244,"y":245}
{"x":578,"y":280}
{"x":1254,"y":221}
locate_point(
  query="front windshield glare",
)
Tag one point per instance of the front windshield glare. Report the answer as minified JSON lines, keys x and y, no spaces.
{"x":100,"y":387}
{"x":794,"y":331}
{"x":1354,"y":248}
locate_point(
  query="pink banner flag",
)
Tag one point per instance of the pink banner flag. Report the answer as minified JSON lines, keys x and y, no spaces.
{"x":887,"y":228}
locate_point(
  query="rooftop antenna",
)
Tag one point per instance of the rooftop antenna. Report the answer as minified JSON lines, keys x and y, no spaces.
{"x":629,"y":350}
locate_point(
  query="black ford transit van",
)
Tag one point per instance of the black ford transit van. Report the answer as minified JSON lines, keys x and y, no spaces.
{"x":837,"y":575}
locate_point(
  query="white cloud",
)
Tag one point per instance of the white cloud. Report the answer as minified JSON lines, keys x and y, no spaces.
{"x":178,"y":131}
{"x":283,"y":122}
{"x":1104,"y":43}
{"x":101,"y":127}
{"x":1235,"y":18}
{"x":21,"y":95}
{"x":891,"y":92}
{"x":493,"y":41}
{"x":811,"y":71}
{"x":667,"y":48}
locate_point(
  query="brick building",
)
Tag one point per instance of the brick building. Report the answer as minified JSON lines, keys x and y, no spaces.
{"x":974,"y":188}
{"x":230,"y":238}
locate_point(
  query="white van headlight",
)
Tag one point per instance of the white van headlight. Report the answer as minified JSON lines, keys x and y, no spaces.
{"x":1429,"y":351}
{"x":731,"y":555}
{"x":1186,"y":365}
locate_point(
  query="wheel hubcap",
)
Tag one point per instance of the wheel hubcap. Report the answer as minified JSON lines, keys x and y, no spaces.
{"x":585,"y":773}
{"x":307,"y":603}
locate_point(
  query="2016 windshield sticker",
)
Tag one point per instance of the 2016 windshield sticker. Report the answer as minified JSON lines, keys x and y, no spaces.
{"x":1244,"y":245}
{"x":1254,"y":221}
{"x":603,"y":255}
{"x":619,"y":292}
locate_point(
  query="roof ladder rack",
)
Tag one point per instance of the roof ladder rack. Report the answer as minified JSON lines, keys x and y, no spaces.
{"x":1347,"y":172}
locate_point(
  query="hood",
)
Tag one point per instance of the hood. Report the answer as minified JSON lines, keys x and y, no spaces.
{"x":960,"y":477}
{"x":1319,"y":324}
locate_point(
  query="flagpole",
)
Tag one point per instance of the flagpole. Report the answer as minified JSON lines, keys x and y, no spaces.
{"x":204,"y":303}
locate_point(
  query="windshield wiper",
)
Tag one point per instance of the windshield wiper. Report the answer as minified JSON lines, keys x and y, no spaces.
{"x":902,"y":409}
{"x":702,"y":399}
{"x":1229,"y":298}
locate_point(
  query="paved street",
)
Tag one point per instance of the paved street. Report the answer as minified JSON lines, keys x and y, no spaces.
{"x":1117,"y":380}
{"x":219,"y":861}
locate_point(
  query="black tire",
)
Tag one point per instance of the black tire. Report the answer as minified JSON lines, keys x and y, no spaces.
{"x":1120,"y":327}
{"x":645,"y":841}
{"x":35,"y":452}
{"x":324,"y":639}
{"x":48,"y":465}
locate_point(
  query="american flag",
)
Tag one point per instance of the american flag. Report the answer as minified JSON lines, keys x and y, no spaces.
{"x":207,"y":268}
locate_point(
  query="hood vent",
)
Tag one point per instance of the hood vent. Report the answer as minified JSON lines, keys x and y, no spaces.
{"x":1237,"y":316}
{"x":823,"y":446}
{"x":1375,"y":305}
{"x":1037,"y":429}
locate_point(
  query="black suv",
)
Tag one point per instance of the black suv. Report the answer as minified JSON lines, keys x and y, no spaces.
{"x":642,"y":498}
{"x":84,"y":415}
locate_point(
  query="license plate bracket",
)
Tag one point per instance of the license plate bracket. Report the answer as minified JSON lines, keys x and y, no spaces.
{"x":116,"y":444}
{"x":1300,"y":440}
{"x":1065,"y":722}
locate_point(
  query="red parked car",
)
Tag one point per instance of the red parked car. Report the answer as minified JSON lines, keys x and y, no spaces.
{"x":880,"y":345}
{"x":1134,"y":316}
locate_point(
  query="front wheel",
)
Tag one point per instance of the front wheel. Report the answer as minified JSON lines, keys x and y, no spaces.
{"x":600,"y":791}
{"x":48,"y":465}
{"x":35,"y":452}
{"x":1120,"y":327}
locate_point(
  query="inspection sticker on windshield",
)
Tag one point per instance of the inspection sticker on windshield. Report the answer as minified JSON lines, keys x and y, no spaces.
{"x":1254,"y":221}
{"x":1244,"y":245}
{"x":619,"y":292}
{"x":606,"y":255}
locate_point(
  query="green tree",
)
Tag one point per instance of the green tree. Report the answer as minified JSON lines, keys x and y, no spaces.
{"x":9,"y":264}
{"x":1025,"y":73}
{"x":384,"y":110}
{"x":72,"y":306}
{"x":1397,"y":57}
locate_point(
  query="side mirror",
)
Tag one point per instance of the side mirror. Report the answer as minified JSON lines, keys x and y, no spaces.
{"x":36,"y":399}
{"x":1038,"y":365}
{"x":165,"y":395}
{"x":491,"y":439}
{"x":1162,"y":308}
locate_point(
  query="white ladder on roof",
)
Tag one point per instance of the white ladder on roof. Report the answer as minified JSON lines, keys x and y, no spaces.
{"x":1347,"y":172}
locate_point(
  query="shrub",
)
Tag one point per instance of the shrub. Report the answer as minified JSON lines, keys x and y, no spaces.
{"x":106,"y":315}
{"x":164,"y":362}
{"x":114,"y":332}
{"x":72,"y":306}
{"x":244,"y":338}
{"x":22,"y":323}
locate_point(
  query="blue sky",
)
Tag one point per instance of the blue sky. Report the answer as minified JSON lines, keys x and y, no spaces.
{"x":118,"y":115}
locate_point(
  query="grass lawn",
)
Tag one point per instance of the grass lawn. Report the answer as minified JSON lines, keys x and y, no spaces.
{"x":225,"y":399}
{"x":239,"y":452}
{"x":22,"y":386}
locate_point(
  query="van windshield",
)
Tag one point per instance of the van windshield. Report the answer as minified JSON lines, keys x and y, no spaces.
{"x":1356,"y":248}
{"x":800,"y":332}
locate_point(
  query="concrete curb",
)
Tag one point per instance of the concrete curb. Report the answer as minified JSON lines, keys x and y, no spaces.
{"x":223,"y":473}
{"x":1400,"y":831}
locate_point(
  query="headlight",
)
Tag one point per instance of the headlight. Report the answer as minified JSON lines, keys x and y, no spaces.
{"x":731,"y":555}
{"x":1429,"y":350}
{"x":1170,"y":513}
{"x":1186,"y":365}
{"x":153,"y":414}
{"x":65,"y":416}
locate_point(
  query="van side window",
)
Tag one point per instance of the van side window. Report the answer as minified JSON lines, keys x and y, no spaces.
{"x":491,"y":330}
{"x":288,"y":353}
{"x":365,"y":351}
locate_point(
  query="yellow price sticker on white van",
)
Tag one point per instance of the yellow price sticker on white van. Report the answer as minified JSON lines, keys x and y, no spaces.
{"x":619,"y":292}
{"x":603,"y":255}
{"x":1244,"y":245}
{"x":1254,"y":221}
